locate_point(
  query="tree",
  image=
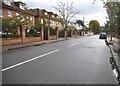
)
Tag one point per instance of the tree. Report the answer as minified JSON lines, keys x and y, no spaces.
{"x":71,"y":27}
{"x":94,"y":26}
{"x":113,"y":11}
{"x":105,"y":28}
{"x":66,"y":13}
{"x":11,"y":24}
{"x":79,"y":22}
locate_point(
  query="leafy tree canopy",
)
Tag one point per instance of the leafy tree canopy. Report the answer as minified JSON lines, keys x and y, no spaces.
{"x":11,"y":24}
{"x":71,"y":27}
{"x":79,"y":22}
{"x":94,"y":26}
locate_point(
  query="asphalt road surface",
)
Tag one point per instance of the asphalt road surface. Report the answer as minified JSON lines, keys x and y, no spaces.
{"x":84,"y":60}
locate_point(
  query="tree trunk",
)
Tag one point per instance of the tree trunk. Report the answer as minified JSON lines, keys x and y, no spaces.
{"x":65,"y":35}
{"x":71,"y":33}
{"x":57,"y":33}
{"x":83,"y":31}
{"x":22,"y":32}
{"x":75,"y":33}
{"x":111,"y":36}
{"x":42,"y":34}
{"x":48,"y":33}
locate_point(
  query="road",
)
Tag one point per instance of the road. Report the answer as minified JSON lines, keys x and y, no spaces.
{"x":84,"y":60}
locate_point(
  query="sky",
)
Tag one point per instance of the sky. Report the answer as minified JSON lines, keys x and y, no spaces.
{"x":86,"y":8}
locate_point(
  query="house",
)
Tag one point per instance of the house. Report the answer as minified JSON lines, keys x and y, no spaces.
{"x":49,"y":21}
{"x":12,"y":9}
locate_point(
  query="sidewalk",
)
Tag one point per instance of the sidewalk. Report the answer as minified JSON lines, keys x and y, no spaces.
{"x":16,"y":46}
{"x":116,"y":50}
{"x":116,"y":45}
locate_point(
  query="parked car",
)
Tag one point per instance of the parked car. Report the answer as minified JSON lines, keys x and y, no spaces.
{"x":102,"y":35}
{"x":4,"y":34}
{"x":32,"y":32}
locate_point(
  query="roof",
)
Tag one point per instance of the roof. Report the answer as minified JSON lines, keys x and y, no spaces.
{"x":19,"y":2}
{"x":15,"y":8}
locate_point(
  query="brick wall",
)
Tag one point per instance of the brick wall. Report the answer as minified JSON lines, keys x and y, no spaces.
{"x":32,"y":39}
{"x":8,"y":41}
{"x":53,"y":37}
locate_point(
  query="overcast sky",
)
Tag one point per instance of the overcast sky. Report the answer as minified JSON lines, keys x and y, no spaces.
{"x":87,"y":9}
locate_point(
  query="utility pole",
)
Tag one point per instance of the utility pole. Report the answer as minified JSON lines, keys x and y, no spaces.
{"x":83,"y":26}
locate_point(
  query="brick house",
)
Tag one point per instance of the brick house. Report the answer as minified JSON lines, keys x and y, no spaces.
{"x":18,"y":9}
{"x":48,"y":19}
{"x":12,"y":9}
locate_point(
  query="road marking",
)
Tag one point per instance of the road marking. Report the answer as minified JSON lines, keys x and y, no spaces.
{"x":73,"y":45}
{"x":28,"y":60}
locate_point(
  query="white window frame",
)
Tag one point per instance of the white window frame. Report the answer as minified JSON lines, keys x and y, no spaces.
{"x":42,"y":21}
{"x":23,"y":19}
{"x":9,"y":13}
{"x":1,"y":13}
{"x":53,"y":16}
{"x":31,"y":18}
{"x":46,"y":13}
{"x":17,"y":14}
{"x":26,"y":17}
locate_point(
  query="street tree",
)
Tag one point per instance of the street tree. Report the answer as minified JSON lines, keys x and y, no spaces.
{"x":66,"y":13}
{"x":11,"y":24}
{"x":113,"y":11}
{"x":94,"y":26}
{"x":79,"y":22}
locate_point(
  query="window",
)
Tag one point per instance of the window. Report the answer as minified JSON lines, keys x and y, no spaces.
{"x":22,"y":7}
{"x":27,"y":17}
{"x":46,"y":13}
{"x":53,"y":16}
{"x":17,"y":14}
{"x":0,"y":12}
{"x":42,"y":21}
{"x":31,"y":18}
{"x":9,"y":13}
{"x":23,"y":19}
{"x":8,"y":2}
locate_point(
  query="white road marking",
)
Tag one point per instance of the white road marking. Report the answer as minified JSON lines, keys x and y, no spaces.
{"x":28,"y":60}
{"x":73,"y":45}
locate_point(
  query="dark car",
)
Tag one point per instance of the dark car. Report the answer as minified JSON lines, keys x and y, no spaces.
{"x":32,"y":32}
{"x":103,"y":35}
{"x":5,"y":34}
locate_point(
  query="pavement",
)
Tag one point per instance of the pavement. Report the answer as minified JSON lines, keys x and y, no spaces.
{"x":16,"y":46}
{"x":116,"y":50}
{"x":116,"y":45}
